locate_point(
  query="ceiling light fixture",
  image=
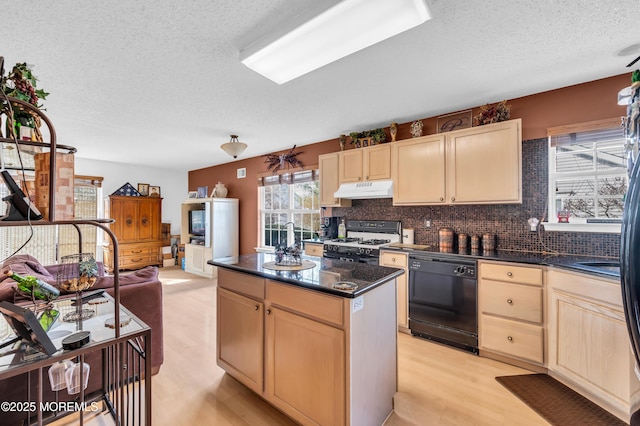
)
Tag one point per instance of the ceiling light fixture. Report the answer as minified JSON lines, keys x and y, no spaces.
{"x":321,"y":36}
{"x":234,"y":147}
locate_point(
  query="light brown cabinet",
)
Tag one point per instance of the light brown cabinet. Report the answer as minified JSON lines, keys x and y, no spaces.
{"x":311,"y":249}
{"x":396,"y":259}
{"x":365,"y":164}
{"x":511,"y":316}
{"x":138,"y":228}
{"x":484,"y":164}
{"x":329,"y":182}
{"x":240,"y":341}
{"x":479,"y":165}
{"x":589,"y":348}
{"x":418,"y":170}
{"x":305,"y":351}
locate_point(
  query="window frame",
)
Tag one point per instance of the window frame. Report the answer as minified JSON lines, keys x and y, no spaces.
{"x":578,"y":224}
{"x":290,"y":212}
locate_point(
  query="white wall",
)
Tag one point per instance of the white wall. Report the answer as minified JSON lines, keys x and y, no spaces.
{"x":173,"y":183}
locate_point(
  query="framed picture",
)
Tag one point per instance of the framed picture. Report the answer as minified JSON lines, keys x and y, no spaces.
{"x":154,"y":191}
{"x":203,"y":191}
{"x":193,"y":194}
{"x":143,"y":189}
{"x":458,"y":120}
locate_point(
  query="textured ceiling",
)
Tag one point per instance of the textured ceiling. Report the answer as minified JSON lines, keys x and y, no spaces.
{"x":159,"y":82}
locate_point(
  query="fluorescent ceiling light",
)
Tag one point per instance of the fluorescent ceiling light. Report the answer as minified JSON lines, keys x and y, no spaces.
{"x":319,"y":37}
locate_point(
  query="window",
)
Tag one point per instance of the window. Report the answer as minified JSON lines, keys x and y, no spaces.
{"x":289,"y":208}
{"x":49,"y":243}
{"x":587,"y":172}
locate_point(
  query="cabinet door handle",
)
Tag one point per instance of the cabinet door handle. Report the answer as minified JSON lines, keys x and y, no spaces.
{"x":509,"y":338}
{"x":509,"y":301}
{"x":268,"y":311}
{"x":393,"y":259}
{"x":453,"y":199}
{"x":441,"y":198}
{"x":136,"y":260}
{"x":509,"y":274}
{"x":256,"y":307}
{"x":367,"y":177}
{"x":359,"y":177}
{"x":136,"y":251}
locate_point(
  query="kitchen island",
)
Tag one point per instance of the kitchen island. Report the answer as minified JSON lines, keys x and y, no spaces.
{"x":317,"y":343}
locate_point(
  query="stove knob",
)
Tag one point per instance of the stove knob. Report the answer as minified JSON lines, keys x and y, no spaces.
{"x":368,"y":251}
{"x":360,"y":250}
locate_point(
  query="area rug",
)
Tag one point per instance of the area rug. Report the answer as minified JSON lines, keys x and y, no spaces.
{"x":557,"y":403}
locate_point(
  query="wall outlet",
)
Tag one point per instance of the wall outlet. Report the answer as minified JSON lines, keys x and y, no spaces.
{"x":427,"y":223}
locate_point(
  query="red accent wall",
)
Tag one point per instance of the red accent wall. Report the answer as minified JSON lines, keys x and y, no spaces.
{"x":574,"y":104}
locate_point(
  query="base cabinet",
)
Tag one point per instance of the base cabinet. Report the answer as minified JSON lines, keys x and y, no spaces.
{"x":240,"y":341}
{"x":196,"y":257}
{"x":589,"y":348}
{"x":511,"y":314}
{"x":307,"y":352}
{"x":395,"y":259}
{"x":296,"y":347}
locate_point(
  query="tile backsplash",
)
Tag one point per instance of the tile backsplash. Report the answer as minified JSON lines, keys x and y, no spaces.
{"x":507,"y":221}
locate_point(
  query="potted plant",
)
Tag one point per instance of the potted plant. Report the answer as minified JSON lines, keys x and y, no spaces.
{"x":21,"y":84}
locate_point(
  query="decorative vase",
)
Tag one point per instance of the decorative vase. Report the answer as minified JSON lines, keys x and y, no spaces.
{"x":220,"y":191}
{"x":416,"y":129}
{"x":343,"y":140}
{"x":393,"y":129}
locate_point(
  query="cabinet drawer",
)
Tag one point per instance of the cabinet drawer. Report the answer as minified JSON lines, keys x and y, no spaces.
{"x":136,"y":251}
{"x":513,"y":338}
{"x":311,"y":249}
{"x":511,"y":300}
{"x":394,"y":259}
{"x":241,"y":283}
{"x":135,"y":262}
{"x":307,"y":302}
{"x":511,"y":273}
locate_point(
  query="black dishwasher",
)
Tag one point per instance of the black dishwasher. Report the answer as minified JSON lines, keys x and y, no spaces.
{"x":443,"y":300}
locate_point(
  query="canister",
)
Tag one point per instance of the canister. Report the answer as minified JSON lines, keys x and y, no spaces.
{"x":488,"y":242}
{"x":446,"y":239}
{"x":407,"y":235}
{"x":463,"y":242}
{"x":475,"y":242}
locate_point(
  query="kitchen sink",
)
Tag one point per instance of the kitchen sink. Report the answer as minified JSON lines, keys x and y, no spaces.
{"x":611,"y":268}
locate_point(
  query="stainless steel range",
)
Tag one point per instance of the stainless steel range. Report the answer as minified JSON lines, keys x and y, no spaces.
{"x":363,"y":240}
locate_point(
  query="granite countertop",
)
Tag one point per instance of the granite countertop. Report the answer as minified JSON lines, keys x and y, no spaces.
{"x":605,"y":268}
{"x":320,"y":277}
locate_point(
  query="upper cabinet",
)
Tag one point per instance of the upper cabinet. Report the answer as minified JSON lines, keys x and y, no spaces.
{"x":479,"y":165}
{"x":418,"y":167}
{"x":371,"y":163}
{"x":328,"y":165}
{"x":484,"y":164}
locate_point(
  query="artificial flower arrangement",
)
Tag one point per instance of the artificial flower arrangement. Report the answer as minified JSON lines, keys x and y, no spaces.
{"x":21,"y":84}
{"x":493,"y":113}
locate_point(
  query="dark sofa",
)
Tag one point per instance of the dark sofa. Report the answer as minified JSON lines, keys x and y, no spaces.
{"x":140,"y":292}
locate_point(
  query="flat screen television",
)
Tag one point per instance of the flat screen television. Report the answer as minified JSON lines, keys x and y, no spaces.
{"x":197,"y":222}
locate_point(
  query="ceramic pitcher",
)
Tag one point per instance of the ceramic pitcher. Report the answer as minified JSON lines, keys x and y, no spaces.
{"x":220,"y":191}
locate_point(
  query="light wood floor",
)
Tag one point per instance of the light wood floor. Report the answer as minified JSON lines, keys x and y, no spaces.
{"x":437,"y":385}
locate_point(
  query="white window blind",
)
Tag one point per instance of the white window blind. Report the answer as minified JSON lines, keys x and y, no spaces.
{"x":587,"y":174}
{"x":49,"y":243}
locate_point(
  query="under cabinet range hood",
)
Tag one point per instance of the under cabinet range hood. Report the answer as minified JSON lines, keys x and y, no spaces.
{"x":362,"y":190}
